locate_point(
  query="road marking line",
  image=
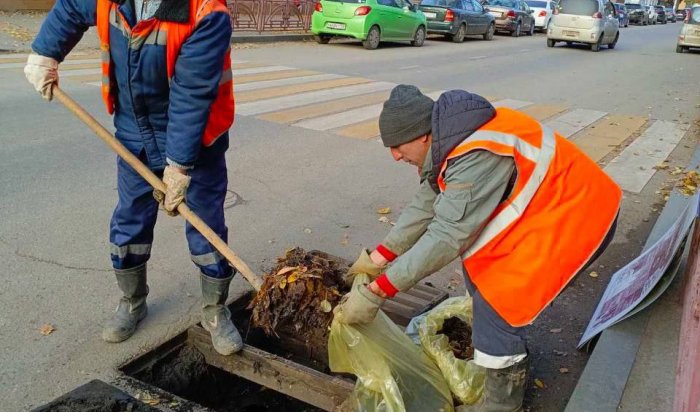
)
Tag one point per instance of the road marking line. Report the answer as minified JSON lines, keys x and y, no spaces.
{"x":409,"y":67}
{"x":62,"y":65}
{"x":364,"y":130}
{"x":511,"y":103}
{"x":633,"y":168}
{"x":272,"y":76}
{"x":477,"y":57}
{"x":246,"y":65}
{"x":543,"y":111}
{"x":79,"y":72}
{"x":285,"y":82}
{"x":262,"y":94}
{"x":320,"y":109}
{"x":606,"y":134}
{"x":574,"y":121}
{"x":301,"y":99}
{"x":343,"y":118}
{"x":262,"y":69}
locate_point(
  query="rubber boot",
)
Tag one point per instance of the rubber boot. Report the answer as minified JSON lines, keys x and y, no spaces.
{"x":504,"y":390}
{"x":132,"y":306}
{"x":216,"y":318}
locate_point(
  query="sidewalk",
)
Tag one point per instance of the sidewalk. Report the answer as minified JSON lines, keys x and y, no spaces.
{"x":18,"y":29}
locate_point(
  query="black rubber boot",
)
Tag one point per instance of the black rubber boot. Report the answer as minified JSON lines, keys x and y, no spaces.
{"x":216,"y":318}
{"x":504,"y":390}
{"x":132,"y":306}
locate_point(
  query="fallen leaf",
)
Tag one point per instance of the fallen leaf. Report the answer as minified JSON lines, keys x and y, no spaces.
{"x":560,"y":353}
{"x":555,"y":330}
{"x":661,"y":167}
{"x":593,"y":274}
{"x":539,"y":383}
{"x":293,"y":277}
{"x":384,"y":219}
{"x":384,"y":210}
{"x":47,"y":329}
{"x":564,"y":370}
{"x":285,"y":270}
{"x":677,"y":171}
{"x":325,"y":306}
{"x":307,"y":231}
{"x":283,"y":283}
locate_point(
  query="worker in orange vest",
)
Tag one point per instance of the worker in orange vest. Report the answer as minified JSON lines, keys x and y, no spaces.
{"x":523,"y":208}
{"x":166,"y":78}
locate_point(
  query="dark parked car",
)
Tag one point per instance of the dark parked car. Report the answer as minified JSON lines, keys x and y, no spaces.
{"x":458,"y":18}
{"x":670,"y":15}
{"x":512,"y":16}
{"x":637,"y":14}
{"x":622,"y":15}
{"x":661,"y":14}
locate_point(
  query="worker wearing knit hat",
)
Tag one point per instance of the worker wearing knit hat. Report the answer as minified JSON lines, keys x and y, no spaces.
{"x":406,"y":116}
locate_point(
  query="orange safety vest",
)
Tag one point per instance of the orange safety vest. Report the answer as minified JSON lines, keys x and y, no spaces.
{"x":221,"y":112}
{"x":557,"y":215}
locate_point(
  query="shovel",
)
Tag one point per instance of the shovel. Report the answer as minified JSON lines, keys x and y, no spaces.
{"x":158,"y":184}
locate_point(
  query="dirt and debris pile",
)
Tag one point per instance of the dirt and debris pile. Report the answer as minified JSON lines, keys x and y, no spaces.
{"x":95,"y":396}
{"x":298,"y":296}
{"x":459,"y":334}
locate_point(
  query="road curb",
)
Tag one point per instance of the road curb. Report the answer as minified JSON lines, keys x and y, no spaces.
{"x":255,"y":37}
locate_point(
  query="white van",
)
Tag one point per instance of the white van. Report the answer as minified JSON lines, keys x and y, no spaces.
{"x":593,"y":22}
{"x":690,"y":31}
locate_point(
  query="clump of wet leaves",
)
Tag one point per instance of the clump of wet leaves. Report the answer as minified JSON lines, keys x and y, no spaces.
{"x":459,"y":336}
{"x":299,"y":294}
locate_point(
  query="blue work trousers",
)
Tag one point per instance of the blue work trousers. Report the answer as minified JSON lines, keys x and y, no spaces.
{"x":131,"y":228}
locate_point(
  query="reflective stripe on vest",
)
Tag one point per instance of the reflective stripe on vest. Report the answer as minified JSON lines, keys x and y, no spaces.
{"x":560,"y":209}
{"x":172,"y":36}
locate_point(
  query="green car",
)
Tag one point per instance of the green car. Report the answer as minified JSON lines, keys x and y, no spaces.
{"x":371,"y":21}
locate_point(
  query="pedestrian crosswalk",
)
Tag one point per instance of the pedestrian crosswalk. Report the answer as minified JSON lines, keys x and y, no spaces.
{"x":349,"y":106}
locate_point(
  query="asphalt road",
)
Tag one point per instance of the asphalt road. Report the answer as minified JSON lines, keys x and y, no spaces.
{"x":310,"y":186}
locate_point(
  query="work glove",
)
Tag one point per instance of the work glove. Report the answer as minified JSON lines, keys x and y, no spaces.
{"x":360,"y":305}
{"x":176,"y":185}
{"x":42,"y":73}
{"x":363,"y":264}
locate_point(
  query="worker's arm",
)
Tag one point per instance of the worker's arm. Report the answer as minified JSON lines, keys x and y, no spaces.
{"x":63,"y":27}
{"x":194,"y":87}
{"x":410,"y":225}
{"x":475,"y":185}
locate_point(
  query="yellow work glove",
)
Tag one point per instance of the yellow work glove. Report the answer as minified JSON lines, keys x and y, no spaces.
{"x":176,"y":184}
{"x":360,"y":305}
{"x":363,"y":264}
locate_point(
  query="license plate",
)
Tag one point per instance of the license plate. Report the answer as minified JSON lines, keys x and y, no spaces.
{"x":336,"y":26}
{"x":430,"y":15}
{"x":570,"y":33}
{"x":496,"y":13}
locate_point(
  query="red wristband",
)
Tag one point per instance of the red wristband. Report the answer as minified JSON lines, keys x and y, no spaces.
{"x":386,"y":286}
{"x":388,"y":254}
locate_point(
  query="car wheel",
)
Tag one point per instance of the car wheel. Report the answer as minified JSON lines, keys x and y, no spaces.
{"x":372,"y":40}
{"x":532,"y":29}
{"x":569,"y":43}
{"x":419,"y":37}
{"x":490,"y":32}
{"x":551,"y":43}
{"x":596,"y":46}
{"x":323,"y":39}
{"x":679,"y":49}
{"x":459,"y":36}
{"x":614,"y":43}
{"x":516,"y":32}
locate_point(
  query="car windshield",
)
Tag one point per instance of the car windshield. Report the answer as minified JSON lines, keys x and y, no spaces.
{"x":503,"y":3}
{"x":633,"y":6}
{"x":578,"y":7}
{"x":441,"y":3}
{"x":695,"y":15}
{"x":537,"y":3}
{"x":659,"y":8}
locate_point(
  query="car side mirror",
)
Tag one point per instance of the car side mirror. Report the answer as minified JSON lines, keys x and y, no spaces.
{"x":414,"y":7}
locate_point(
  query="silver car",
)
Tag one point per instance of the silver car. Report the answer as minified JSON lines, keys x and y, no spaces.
{"x":592,"y":22}
{"x":689,"y":36}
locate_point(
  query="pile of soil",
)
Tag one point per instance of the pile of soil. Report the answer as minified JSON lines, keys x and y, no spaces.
{"x":459,"y":334}
{"x":298,"y":296}
{"x":187,"y":375}
{"x":95,"y":396}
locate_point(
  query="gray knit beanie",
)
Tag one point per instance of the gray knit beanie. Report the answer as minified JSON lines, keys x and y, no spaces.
{"x":406,"y":116}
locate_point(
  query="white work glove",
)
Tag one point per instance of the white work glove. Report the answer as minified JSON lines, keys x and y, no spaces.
{"x":176,"y":184}
{"x":42,"y":73}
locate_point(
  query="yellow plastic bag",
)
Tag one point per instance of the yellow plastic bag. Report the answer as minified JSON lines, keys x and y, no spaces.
{"x":465,"y":379}
{"x":393,"y":374}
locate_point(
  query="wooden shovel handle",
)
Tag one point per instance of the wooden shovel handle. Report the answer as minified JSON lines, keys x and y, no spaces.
{"x":157,"y":184}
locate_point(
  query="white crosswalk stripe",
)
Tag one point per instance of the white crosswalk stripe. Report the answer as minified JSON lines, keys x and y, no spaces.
{"x":574,"y":121}
{"x":258,"y":70}
{"x":63,"y":64}
{"x":264,"y":84}
{"x":633,"y":168}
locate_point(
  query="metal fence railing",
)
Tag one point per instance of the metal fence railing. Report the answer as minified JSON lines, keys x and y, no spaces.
{"x":271,"y":15}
